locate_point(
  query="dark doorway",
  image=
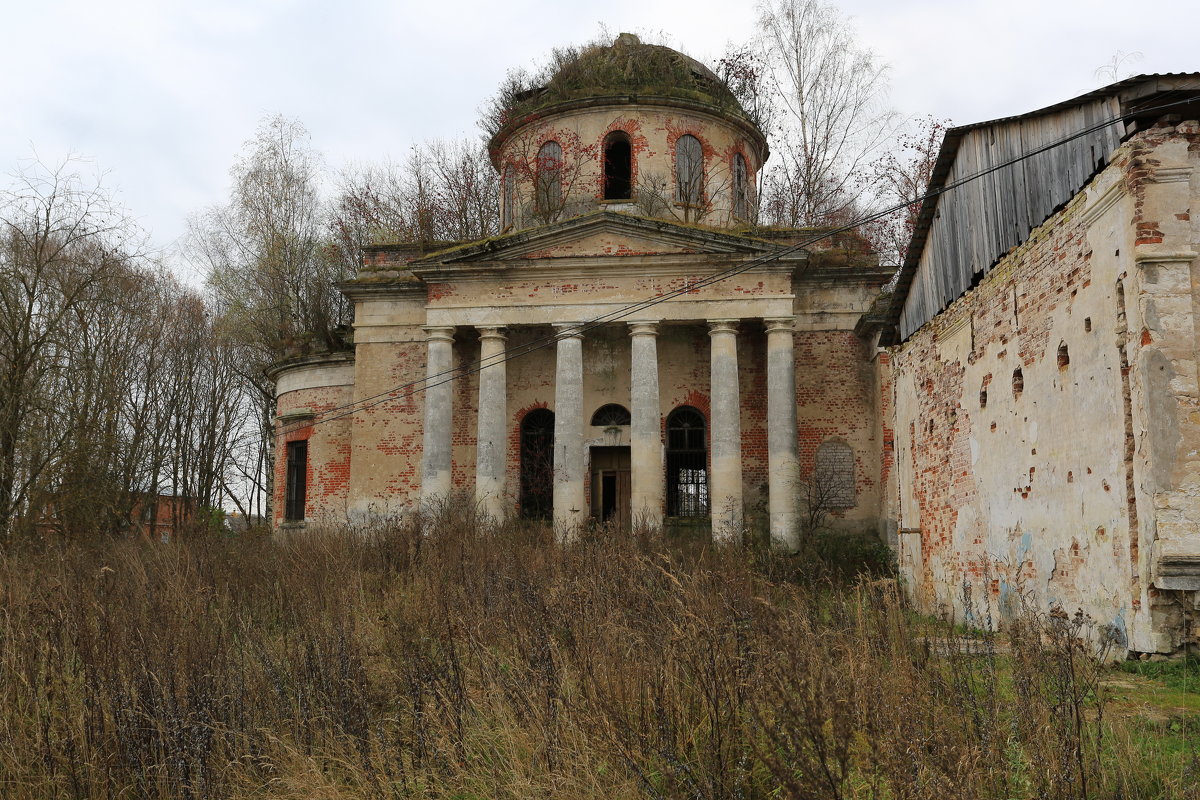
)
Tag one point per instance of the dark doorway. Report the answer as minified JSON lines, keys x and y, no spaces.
{"x":611,"y":501}
{"x":618,"y":167}
{"x":537,"y":464}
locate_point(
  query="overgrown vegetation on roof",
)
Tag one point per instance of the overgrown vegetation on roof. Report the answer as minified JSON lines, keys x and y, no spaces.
{"x":602,"y":69}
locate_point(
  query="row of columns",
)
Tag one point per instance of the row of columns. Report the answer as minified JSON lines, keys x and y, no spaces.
{"x":646,"y":444}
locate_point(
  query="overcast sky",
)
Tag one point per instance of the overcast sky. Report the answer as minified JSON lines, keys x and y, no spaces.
{"x":162,"y":94}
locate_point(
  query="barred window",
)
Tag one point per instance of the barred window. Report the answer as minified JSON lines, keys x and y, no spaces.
{"x":687,"y":464}
{"x":833,"y":475}
{"x":689,"y":170}
{"x":609,"y":415}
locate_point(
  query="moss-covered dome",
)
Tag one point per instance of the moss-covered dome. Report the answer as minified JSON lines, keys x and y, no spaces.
{"x":627,"y":69}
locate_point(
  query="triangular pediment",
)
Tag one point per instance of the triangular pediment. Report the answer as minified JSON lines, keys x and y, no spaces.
{"x":602,"y":234}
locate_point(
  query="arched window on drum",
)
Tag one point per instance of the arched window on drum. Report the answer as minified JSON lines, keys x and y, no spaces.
{"x":689,"y":170}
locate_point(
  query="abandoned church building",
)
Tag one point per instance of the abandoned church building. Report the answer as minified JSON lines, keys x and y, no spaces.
{"x":1019,"y":418}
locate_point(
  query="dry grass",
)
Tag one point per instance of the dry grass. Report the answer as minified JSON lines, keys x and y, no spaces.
{"x":446,"y":659}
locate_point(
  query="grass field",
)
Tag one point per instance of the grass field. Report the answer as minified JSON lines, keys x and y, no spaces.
{"x":448,"y":659}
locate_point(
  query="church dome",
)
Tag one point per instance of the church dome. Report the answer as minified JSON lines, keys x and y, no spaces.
{"x":627,"y":71}
{"x":630,"y":127}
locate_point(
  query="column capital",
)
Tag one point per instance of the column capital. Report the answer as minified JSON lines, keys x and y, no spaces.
{"x":774,"y":324}
{"x":435,"y":333}
{"x":568,"y":330}
{"x":643,"y":328}
{"x":492,"y":332}
{"x":723,"y":326}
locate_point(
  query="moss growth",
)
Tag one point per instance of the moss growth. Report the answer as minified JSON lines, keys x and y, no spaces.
{"x":625,"y":67}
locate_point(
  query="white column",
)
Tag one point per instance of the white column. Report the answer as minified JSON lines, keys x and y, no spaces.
{"x":493,"y":410}
{"x":570,"y":506}
{"x":439,"y":400}
{"x":783,"y":466}
{"x":725,"y":419}
{"x":647,"y":479}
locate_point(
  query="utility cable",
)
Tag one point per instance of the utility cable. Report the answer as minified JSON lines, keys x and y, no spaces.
{"x":411,"y":388}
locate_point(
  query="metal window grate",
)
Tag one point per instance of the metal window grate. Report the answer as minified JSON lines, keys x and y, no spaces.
{"x":687,"y":464}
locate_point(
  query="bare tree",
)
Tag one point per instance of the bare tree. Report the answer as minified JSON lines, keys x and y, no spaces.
{"x":114,"y":385}
{"x":444,"y":191}
{"x":833,"y":117}
{"x":901,"y":175}
{"x":64,"y":247}
{"x":266,"y":253}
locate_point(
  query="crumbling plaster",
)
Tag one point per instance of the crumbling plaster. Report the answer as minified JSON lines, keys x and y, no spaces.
{"x":1069,"y":491}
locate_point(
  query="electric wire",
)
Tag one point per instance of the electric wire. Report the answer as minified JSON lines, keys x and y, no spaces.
{"x":419,"y":385}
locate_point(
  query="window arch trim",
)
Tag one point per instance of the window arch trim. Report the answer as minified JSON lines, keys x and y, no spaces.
{"x":611,"y":414}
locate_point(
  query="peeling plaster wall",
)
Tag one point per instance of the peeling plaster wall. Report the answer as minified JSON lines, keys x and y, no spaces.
{"x":653,"y":132}
{"x":303,"y":394}
{"x":1046,"y":424}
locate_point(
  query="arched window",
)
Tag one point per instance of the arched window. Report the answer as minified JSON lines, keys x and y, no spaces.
{"x":687,"y":464}
{"x":537,"y":464}
{"x":618,"y":166}
{"x":741,"y":187}
{"x":833,"y":475}
{"x":609,"y":415}
{"x":509,"y":198}
{"x":548,"y":177}
{"x":689,"y":170}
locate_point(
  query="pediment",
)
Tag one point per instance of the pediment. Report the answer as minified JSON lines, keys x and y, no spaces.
{"x":604,"y":234}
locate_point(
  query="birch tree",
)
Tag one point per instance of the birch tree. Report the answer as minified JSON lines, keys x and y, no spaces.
{"x":833,"y":117}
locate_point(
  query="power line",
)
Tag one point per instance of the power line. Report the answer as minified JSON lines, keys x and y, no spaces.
{"x":411,"y":388}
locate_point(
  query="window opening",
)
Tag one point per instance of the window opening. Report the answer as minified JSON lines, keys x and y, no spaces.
{"x":548,"y":174}
{"x":537,"y":464}
{"x":689,"y":170}
{"x":1018,"y":382}
{"x":618,"y":167}
{"x":741,"y":187}
{"x":297,"y":481}
{"x":611,"y":414}
{"x":1064,"y":357}
{"x":687,"y":464}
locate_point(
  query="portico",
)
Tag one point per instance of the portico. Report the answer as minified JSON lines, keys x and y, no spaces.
{"x":717,"y":481}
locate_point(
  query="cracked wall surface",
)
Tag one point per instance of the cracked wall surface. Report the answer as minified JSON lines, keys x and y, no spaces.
{"x":1047,"y":422}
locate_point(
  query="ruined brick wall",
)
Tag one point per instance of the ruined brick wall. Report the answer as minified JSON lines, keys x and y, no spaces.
{"x":309,"y":398}
{"x":836,"y":404}
{"x":1027,"y":414}
{"x":653,"y":133}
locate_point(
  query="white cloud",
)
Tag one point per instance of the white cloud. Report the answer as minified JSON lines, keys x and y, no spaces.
{"x":161,"y":93}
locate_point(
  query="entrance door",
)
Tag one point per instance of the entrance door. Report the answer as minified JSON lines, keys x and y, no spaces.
{"x":611,"y":500}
